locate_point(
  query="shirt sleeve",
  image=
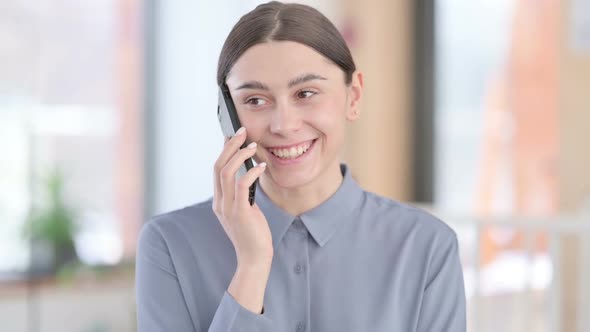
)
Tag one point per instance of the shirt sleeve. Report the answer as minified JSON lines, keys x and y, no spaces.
{"x":232,"y":316}
{"x":443,"y":302}
{"x":160,"y":302}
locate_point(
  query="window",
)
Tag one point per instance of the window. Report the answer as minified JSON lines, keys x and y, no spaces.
{"x":70,"y":98}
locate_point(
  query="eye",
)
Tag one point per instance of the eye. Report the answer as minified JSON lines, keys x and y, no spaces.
{"x":256,"y":101}
{"x":304,"y":94}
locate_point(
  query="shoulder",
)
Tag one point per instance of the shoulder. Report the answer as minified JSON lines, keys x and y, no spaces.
{"x":406,"y":218}
{"x":174,"y":226}
{"x":428,"y":242}
{"x":183,"y":217}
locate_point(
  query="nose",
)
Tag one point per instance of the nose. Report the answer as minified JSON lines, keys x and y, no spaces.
{"x":285,"y":119}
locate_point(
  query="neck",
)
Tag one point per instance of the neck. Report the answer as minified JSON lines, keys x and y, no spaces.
{"x":297,"y":200}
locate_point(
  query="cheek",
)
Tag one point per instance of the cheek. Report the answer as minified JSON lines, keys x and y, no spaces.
{"x":330,"y":119}
{"x":255,"y":125}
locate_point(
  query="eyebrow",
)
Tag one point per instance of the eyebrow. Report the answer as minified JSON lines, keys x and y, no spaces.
{"x":298,"y":80}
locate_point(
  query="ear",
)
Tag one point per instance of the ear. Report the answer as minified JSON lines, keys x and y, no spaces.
{"x":354,"y":96}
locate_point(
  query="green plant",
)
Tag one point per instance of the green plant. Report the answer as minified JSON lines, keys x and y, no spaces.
{"x":54,"y":223}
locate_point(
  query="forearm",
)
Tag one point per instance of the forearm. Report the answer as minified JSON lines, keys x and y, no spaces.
{"x":249,"y":285}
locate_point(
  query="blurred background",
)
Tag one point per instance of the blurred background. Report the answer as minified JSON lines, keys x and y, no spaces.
{"x":478,"y":111}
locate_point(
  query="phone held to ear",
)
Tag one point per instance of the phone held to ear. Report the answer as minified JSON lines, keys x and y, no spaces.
{"x":230,"y":123}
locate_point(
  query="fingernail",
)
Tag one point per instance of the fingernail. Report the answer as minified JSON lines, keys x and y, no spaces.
{"x":240,"y":131}
{"x":262,"y":164}
{"x":252,"y":145}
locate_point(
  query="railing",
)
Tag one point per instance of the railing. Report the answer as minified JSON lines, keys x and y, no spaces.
{"x":526,"y":317}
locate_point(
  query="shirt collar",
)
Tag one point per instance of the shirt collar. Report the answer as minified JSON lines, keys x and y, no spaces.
{"x":323,"y":221}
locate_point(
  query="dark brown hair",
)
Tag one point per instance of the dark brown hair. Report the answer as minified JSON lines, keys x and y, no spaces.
{"x":276,"y":21}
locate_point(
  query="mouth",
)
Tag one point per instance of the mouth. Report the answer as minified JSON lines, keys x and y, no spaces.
{"x":292,"y":152}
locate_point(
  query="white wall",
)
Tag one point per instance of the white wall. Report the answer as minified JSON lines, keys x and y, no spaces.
{"x":190,"y":35}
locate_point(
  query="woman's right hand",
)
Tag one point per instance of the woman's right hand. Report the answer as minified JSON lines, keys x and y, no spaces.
{"x":245,"y":224}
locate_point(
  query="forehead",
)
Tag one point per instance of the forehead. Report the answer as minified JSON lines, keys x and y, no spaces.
{"x":276,"y":62}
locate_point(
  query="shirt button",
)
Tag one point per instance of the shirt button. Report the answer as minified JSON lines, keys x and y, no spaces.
{"x":300,"y":327}
{"x":298,"y":268}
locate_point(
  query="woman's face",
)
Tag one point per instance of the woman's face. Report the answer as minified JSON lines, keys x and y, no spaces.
{"x":295,"y":104}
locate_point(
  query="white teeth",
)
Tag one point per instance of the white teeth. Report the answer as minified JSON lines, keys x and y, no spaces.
{"x":292,"y":152}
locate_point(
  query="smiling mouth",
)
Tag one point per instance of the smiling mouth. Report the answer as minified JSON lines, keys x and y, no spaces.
{"x":292,"y":152}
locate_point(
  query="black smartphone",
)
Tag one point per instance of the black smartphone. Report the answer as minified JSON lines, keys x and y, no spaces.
{"x":230,"y":123}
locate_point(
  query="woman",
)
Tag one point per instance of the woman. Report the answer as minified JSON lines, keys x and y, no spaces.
{"x":315,"y":252}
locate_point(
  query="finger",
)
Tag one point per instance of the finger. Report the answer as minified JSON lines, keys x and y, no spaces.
{"x":230,"y":148}
{"x":243,"y":185}
{"x":216,"y":194}
{"x":228,"y":174}
{"x":217,"y":183}
{"x":228,"y":151}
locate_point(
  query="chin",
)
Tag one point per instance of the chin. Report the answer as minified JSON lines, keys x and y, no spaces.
{"x":291,"y":179}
